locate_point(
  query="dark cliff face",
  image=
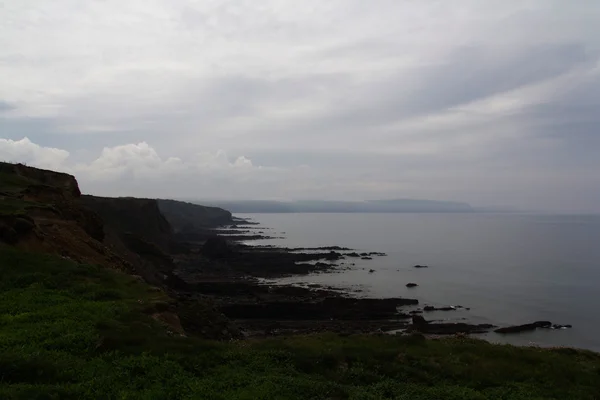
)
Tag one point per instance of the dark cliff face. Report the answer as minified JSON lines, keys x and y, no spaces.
{"x":187,"y":216}
{"x":131,"y":216}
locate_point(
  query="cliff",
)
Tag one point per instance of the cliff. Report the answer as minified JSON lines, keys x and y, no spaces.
{"x":187,"y":216}
{"x":40,"y":210}
{"x":139,"y":232}
{"x":131,"y":216}
{"x":43,"y":211}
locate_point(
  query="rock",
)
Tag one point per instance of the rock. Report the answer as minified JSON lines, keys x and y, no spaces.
{"x":411,"y":285}
{"x":418,"y":320}
{"x":376,"y":253}
{"x":366,"y":258}
{"x":355,"y":255}
{"x":216,"y":247}
{"x":556,"y":326}
{"x":421,"y":266}
{"x":524,"y":328}
{"x":371,"y":271}
{"x":432,"y":308}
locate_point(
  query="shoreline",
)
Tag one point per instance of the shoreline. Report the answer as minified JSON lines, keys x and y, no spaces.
{"x":303,"y":301}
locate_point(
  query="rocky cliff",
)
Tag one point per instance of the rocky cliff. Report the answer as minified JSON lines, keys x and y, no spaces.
{"x":41,"y":210}
{"x":131,"y":216}
{"x":188,"y":217}
{"x":138,"y":231}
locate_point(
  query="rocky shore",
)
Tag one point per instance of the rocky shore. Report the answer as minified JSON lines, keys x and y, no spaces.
{"x":231,"y":274}
{"x":239,"y":290}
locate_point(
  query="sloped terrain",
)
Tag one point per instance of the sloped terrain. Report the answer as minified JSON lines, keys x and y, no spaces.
{"x":77,"y":331}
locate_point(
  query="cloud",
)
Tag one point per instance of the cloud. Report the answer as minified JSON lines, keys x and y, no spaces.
{"x":137,"y":169}
{"x":489,"y":102}
{"x":25,"y":151}
{"x":4,"y":106}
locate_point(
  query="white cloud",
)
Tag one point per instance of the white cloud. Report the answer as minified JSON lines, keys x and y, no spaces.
{"x":116,"y":167}
{"x":25,"y":151}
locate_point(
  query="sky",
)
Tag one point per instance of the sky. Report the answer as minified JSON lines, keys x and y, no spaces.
{"x":495,"y":103}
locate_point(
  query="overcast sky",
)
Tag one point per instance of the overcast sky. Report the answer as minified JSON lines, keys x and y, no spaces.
{"x":489,"y":102}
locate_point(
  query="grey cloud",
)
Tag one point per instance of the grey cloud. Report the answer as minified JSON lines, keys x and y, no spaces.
{"x":411,"y":99}
{"x":5,"y":106}
{"x":466,"y":75}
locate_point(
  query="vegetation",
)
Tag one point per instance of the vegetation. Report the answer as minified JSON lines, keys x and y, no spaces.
{"x":10,"y":182}
{"x":72,"y":331}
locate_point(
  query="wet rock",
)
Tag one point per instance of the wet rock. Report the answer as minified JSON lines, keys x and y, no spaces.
{"x":556,"y":326}
{"x":411,"y":285}
{"x":371,"y":271}
{"x":378,"y":254}
{"x":366,"y":258}
{"x":524,"y":328}
{"x":421,"y":266}
{"x":432,"y":308}
{"x":354,"y":254}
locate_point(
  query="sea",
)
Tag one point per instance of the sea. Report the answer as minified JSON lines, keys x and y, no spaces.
{"x":507,"y":269}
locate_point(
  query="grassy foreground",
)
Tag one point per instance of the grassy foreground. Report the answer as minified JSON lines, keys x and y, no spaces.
{"x":70,"y":331}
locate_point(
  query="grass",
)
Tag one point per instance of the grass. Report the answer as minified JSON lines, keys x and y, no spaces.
{"x":11,"y":185}
{"x":71,"y":331}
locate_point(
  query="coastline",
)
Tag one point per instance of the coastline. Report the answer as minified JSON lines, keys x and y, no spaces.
{"x":440,"y":320}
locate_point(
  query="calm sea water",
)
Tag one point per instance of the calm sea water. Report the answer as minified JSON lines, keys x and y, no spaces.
{"x":509,"y":269}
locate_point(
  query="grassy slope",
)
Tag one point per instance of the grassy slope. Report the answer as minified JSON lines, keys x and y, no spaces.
{"x":70,"y":331}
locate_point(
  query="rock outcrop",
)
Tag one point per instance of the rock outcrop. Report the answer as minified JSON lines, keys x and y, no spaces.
{"x":531,"y":327}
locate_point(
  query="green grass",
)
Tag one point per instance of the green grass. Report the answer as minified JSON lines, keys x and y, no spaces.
{"x":70,"y":331}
